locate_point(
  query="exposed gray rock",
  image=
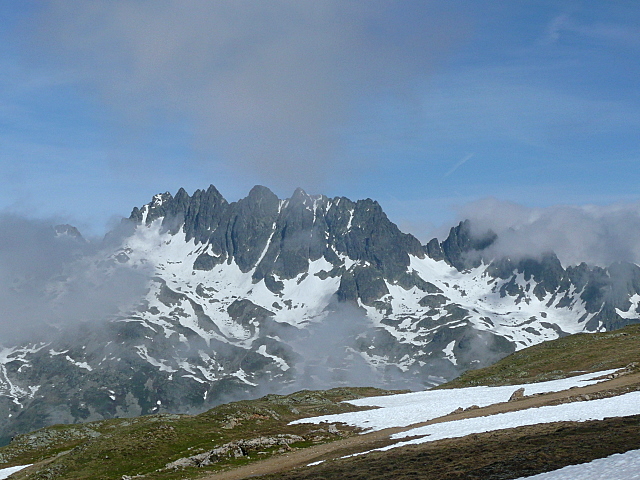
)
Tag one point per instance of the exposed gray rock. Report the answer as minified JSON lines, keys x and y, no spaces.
{"x":433,"y":301}
{"x":517,"y":395}
{"x":236,"y":449}
{"x":69,"y":231}
{"x":462,"y":249}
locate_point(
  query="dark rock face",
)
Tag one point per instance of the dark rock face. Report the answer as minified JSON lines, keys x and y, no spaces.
{"x":434,"y":249}
{"x":603,"y":290}
{"x":364,"y":283}
{"x":205,"y":262}
{"x":280,"y":238}
{"x":246,"y":312}
{"x":459,"y":247}
{"x":433,"y":301}
{"x":68,"y":230}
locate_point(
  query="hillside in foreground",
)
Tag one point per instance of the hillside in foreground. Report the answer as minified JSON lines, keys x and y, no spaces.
{"x":558,"y":359}
{"x":255,"y":437}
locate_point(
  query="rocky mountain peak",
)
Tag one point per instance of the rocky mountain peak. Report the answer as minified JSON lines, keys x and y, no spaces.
{"x":281,"y":238}
{"x":299,"y":196}
{"x":68,"y":231}
{"x":462,"y":249}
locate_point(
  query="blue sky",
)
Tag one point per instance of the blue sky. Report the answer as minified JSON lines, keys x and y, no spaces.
{"x":427,"y":107}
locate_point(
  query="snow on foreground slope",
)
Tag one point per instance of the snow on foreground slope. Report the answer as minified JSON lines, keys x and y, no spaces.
{"x":620,"y":406}
{"x":408,"y":409}
{"x":411,"y":408}
{"x":619,"y":466}
{"x":6,"y":472}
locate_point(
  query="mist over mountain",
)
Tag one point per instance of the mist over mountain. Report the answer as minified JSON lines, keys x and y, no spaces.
{"x":194,"y":300}
{"x":598,"y":235}
{"x":48,"y":282}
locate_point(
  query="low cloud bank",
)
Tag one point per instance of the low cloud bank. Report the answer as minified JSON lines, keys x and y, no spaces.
{"x":52,"y":278}
{"x":597,"y":235}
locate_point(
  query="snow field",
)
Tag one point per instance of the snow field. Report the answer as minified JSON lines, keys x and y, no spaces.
{"x":620,"y":406}
{"x":406,"y":409}
{"x":472,"y":291}
{"x":411,"y":408}
{"x":620,"y":466}
{"x":5,"y":472}
{"x":172,"y":258}
{"x":303,"y":299}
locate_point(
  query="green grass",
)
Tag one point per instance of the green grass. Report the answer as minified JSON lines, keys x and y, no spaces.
{"x":559,"y":358}
{"x":145,"y":445}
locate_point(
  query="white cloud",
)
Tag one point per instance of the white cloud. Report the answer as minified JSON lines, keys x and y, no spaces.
{"x":593,"y":234}
{"x":566,"y":25}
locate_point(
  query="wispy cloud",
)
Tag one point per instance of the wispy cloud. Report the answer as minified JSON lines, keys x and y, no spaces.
{"x":264,"y":87}
{"x":555,"y":26}
{"x":49,"y":280}
{"x":565,"y":24}
{"x":593,"y":234}
{"x":459,"y":164}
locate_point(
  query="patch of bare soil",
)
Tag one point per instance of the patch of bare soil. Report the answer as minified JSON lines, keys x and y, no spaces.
{"x":503,"y":454}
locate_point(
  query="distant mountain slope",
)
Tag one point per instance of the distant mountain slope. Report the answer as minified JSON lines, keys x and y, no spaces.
{"x":265,"y":294}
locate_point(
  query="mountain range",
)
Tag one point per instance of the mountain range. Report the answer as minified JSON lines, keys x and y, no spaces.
{"x":268,"y":295}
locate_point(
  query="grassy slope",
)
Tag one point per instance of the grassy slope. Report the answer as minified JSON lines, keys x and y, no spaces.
{"x":559,"y":359}
{"x":113,"y":448}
